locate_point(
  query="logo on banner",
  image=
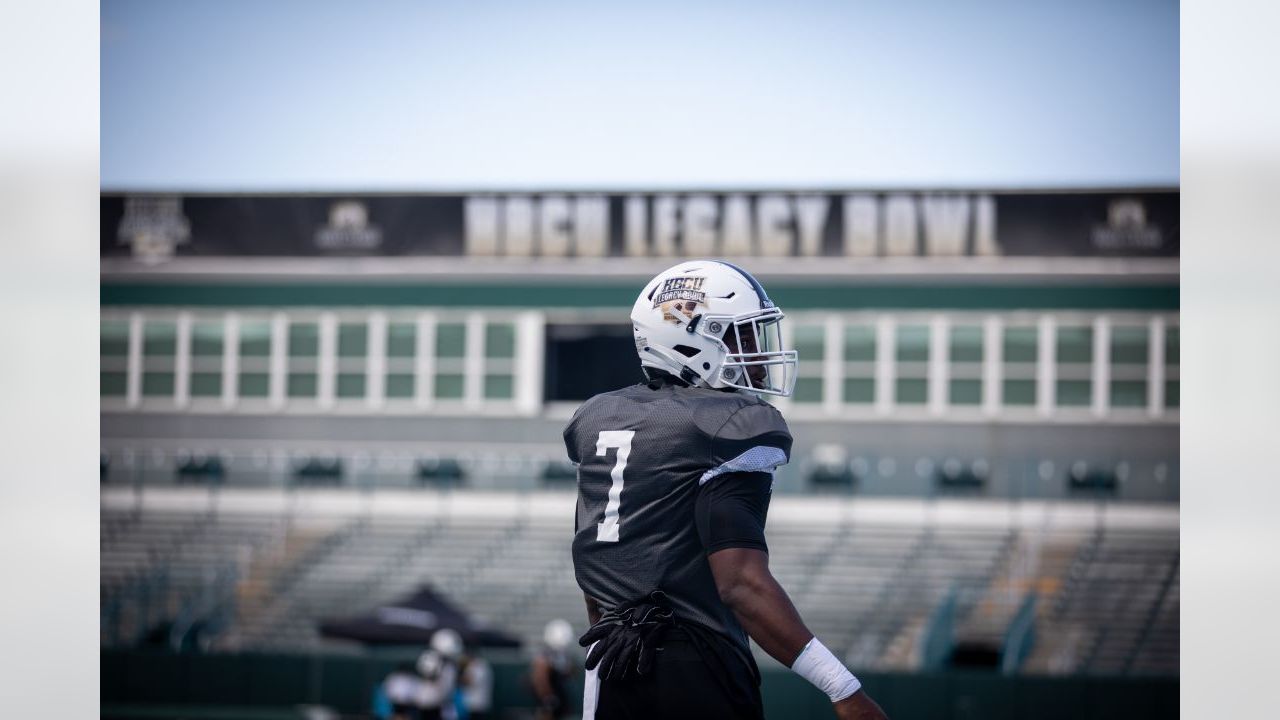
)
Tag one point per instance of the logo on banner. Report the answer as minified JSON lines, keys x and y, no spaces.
{"x":1127,"y":228}
{"x":349,"y":228}
{"x":153,"y":227}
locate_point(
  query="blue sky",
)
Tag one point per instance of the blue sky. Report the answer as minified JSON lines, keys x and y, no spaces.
{"x":281,"y":95}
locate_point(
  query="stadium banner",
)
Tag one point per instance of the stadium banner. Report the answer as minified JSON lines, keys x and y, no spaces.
{"x":154,"y":227}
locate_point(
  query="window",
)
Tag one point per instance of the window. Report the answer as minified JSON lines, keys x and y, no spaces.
{"x":206,"y":358}
{"x":1074,"y":359}
{"x":255,"y":358}
{"x":303,"y":359}
{"x":353,"y":359}
{"x":499,"y":361}
{"x":911,"y":365}
{"x":809,"y":344}
{"x":1128,"y":357}
{"x":451,"y":349}
{"x":583,"y":359}
{"x":965,"y":354}
{"x":1018,"y":359}
{"x":860,"y":364}
{"x":402,"y":340}
{"x":113,"y":352}
{"x":1171,"y":360}
{"x":159,"y":350}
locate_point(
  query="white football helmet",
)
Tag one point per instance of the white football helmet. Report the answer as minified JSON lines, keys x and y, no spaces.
{"x":558,"y":634}
{"x":447,"y":642}
{"x":711,"y":324}
{"x":430,"y":664}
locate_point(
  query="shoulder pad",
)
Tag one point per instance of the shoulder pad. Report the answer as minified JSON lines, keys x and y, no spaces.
{"x":752,"y":438}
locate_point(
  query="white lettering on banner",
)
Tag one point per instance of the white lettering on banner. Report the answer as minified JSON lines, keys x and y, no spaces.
{"x":735,"y":234}
{"x":984,"y":227}
{"x":665,"y":225}
{"x":481,"y":217}
{"x":637,"y":226}
{"x":772,"y":211}
{"x":811,"y":217}
{"x":551,"y":226}
{"x":700,"y":225}
{"x":771,"y":225}
{"x":861,"y":226}
{"x":900,"y":226}
{"x":946,"y":225}
{"x":518,"y":226}
{"x":591,"y":225}
{"x":553,"y":230}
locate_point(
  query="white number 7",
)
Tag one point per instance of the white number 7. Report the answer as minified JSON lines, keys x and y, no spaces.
{"x":607,"y":531}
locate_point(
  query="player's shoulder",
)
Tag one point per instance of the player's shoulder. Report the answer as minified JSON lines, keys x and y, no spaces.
{"x":717,"y":412}
{"x":600,"y":400}
{"x":599,"y":405}
{"x":712,"y":412}
{"x":744,"y":426}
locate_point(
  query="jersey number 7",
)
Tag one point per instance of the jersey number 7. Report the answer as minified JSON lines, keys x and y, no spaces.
{"x":607,"y":530}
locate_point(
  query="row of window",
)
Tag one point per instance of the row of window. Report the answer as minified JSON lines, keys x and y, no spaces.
{"x":887,"y":363}
{"x":1044,"y":362}
{"x":317,"y":359}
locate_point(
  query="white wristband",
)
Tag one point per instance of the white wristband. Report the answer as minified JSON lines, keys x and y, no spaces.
{"x":817,"y":665}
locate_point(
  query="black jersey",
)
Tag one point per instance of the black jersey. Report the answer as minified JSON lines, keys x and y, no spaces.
{"x":644,"y":455}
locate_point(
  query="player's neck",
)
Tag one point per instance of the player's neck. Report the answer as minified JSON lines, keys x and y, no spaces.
{"x":657,"y":379}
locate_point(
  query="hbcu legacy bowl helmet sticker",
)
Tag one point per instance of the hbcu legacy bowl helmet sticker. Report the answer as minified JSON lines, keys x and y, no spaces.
{"x":680,"y":294}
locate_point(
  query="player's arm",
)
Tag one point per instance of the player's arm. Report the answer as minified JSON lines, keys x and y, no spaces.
{"x":758,"y":600}
{"x":730,"y":516}
{"x":593,"y":609}
{"x":771,"y":619}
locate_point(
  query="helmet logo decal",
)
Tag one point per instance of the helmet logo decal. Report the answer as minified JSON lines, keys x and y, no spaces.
{"x":680,"y":295}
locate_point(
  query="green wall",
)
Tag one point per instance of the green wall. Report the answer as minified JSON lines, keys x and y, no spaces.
{"x":138,"y":683}
{"x":795,"y":296}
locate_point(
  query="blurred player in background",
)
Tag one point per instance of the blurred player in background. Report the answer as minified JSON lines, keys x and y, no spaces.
{"x":447,"y":643}
{"x":422,"y":691}
{"x":549,"y":673}
{"x":401,"y":689}
{"x":674,"y":483}
{"x":435,"y":693}
{"x":475,"y":684}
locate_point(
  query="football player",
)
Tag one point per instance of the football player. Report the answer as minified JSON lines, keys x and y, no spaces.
{"x":550,"y":671}
{"x":674,"y":482}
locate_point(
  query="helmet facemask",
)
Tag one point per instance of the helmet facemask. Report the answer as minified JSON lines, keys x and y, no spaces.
{"x":754,"y":359}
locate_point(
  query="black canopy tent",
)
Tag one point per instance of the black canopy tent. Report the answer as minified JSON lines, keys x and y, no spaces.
{"x":412,"y":620}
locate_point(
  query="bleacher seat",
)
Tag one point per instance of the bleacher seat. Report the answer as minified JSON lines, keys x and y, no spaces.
{"x":1109,"y":597}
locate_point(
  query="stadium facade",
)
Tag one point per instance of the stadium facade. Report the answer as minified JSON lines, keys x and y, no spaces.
{"x":312,"y":403}
{"x":1021,"y":340}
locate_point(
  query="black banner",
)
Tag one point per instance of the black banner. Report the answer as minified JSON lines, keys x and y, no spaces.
{"x":154,"y":227}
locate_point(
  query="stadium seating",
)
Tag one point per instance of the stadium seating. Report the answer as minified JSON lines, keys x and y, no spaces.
{"x":507,"y":464}
{"x":865,"y":574}
{"x":1117,"y":610}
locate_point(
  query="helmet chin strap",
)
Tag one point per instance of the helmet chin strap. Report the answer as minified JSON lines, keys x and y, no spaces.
{"x":679,"y":369}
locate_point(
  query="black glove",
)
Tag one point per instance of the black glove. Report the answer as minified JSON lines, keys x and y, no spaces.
{"x":628,"y":637}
